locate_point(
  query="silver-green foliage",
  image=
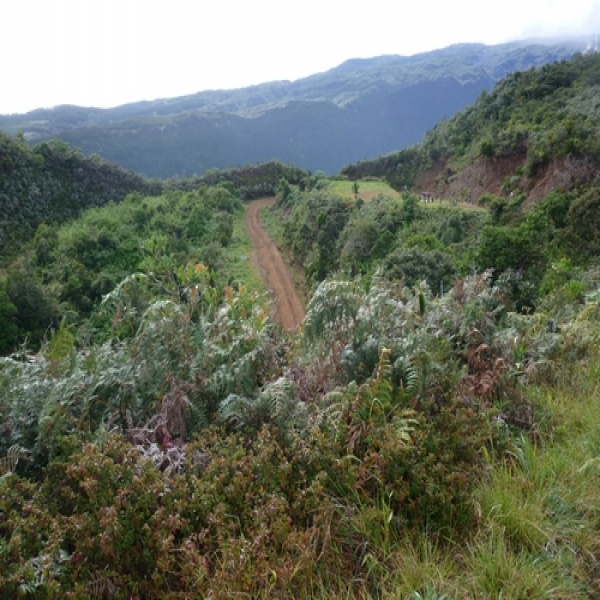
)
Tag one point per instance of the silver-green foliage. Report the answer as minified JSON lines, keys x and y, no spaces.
{"x":274,"y":404}
{"x":209,"y":356}
{"x":430,"y":338}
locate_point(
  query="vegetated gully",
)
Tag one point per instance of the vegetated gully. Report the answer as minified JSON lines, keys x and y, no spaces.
{"x":287,"y":307}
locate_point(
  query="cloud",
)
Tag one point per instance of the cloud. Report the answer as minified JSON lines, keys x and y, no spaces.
{"x":555,"y":18}
{"x":108,"y":52}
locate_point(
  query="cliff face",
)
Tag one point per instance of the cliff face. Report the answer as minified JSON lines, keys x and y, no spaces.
{"x":503,"y":176}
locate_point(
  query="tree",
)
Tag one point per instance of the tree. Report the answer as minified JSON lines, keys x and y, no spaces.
{"x":583,"y":226}
{"x":9,"y":331}
{"x":284,"y":189}
{"x":413,"y":265}
{"x":37,"y":311}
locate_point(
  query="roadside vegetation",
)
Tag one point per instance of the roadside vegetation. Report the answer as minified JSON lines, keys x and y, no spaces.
{"x":430,"y":431}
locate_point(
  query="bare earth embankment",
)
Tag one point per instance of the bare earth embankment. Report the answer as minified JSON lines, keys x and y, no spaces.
{"x":287,"y":307}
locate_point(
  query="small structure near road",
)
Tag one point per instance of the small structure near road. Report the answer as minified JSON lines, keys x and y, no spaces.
{"x":426,"y":196}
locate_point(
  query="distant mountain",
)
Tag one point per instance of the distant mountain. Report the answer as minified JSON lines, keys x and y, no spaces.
{"x":362,"y":108}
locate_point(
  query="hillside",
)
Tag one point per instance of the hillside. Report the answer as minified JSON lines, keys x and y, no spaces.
{"x":53,"y":182}
{"x":534,"y":133}
{"x":361,"y":108}
{"x":167,"y":440}
{"x":431,"y":430}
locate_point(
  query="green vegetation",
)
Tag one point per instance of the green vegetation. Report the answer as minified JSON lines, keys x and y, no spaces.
{"x":534,"y":116}
{"x":367,"y":190}
{"x":65,"y":272}
{"x":168,"y":439}
{"x":52,"y":183}
{"x":430,"y":431}
{"x":400,"y":445}
{"x":328,"y":233}
{"x":249,"y":182}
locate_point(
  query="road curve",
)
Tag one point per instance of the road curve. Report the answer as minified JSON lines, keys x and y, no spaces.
{"x":287,"y":307}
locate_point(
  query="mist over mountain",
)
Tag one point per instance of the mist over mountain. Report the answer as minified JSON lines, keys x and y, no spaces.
{"x":360,"y":109}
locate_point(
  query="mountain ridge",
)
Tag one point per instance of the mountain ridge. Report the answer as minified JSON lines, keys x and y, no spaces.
{"x":359,"y":109}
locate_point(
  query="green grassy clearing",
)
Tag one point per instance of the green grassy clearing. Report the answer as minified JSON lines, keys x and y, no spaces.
{"x":239,"y":255}
{"x":371,"y":189}
{"x":367,"y":189}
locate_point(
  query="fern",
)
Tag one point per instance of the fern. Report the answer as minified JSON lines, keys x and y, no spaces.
{"x":274,"y":404}
{"x":332,"y":309}
{"x":407,"y":376}
{"x":8,"y":463}
{"x":373,"y":408}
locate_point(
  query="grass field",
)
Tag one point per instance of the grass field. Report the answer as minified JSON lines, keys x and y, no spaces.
{"x":367,"y":190}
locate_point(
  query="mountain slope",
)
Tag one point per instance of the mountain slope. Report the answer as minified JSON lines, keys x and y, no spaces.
{"x":536,"y":132}
{"x":358,"y":109}
{"x":52,"y":182}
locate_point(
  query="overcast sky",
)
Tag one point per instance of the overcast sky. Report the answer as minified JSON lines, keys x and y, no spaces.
{"x":108,"y":52}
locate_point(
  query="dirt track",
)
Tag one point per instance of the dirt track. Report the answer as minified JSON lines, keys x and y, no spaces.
{"x":287,"y":308}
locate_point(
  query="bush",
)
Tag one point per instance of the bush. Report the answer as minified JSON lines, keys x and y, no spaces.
{"x":413,"y":265}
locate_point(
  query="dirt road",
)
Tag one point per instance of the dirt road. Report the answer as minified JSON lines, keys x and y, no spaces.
{"x":287,"y":308}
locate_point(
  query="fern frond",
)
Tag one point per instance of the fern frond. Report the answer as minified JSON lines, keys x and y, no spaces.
{"x":407,"y":375}
{"x":8,"y":463}
{"x":100,"y":586}
{"x":232,"y":411}
{"x":118,"y":292}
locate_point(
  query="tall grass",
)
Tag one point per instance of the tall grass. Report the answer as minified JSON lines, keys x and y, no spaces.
{"x":239,"y":255}
{"x":538,"y":525}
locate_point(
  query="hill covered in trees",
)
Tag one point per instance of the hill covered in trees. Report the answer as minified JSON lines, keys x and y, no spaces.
{"x":535,"y":132}
{"x":539,"y":129}
{"x":361,"y":108}
{"x":52,"y":182}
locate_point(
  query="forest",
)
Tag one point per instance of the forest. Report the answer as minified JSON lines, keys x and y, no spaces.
{"x":430,"y":430}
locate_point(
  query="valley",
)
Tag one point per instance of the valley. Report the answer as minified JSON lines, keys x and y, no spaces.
{"x":361,"y":109}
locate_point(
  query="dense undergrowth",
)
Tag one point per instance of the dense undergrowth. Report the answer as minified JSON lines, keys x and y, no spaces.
{"x":528,"y":249}
{"x":390,"y":450}
{"x":66,"y":271}
{"x":170,"y":441}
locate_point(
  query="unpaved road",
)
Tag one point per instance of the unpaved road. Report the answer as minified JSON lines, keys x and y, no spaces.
{"x":287,"y":308}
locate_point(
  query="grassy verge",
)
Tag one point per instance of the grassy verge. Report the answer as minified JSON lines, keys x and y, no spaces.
{"x":539,"y":518}
{"x":239,"y":254}
{"x":367,"y":190}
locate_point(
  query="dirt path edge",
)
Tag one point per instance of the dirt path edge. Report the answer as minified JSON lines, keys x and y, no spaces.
{"x":287,"y":306}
